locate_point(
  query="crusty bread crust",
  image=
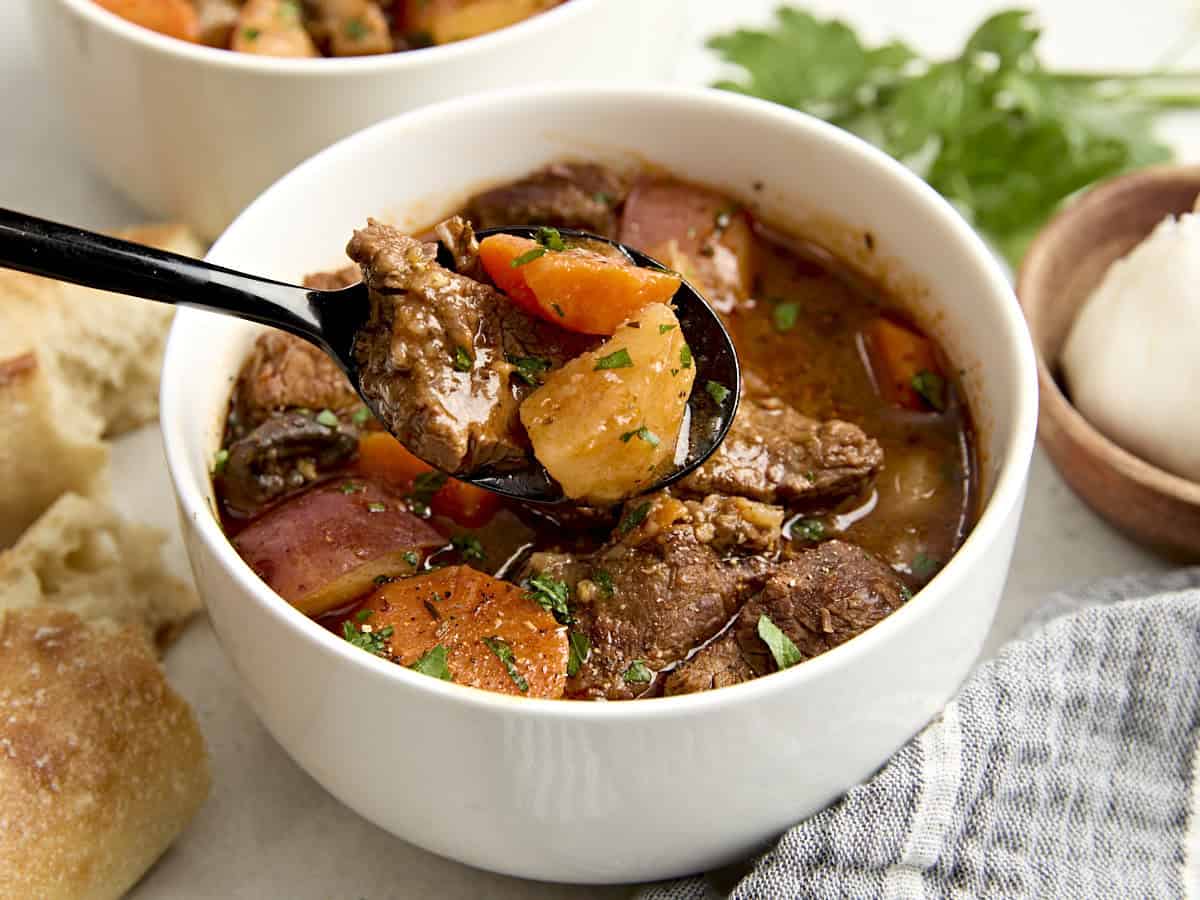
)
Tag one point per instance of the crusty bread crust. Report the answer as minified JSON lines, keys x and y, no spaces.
{"x":101,"y":763}
{"x":81,"y":556}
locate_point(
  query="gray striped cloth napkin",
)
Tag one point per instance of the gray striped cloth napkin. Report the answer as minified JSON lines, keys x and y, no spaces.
{"x":1066,"y":767}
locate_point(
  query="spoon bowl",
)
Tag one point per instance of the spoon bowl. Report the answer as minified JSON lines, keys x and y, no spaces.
{"x":333,"y":321}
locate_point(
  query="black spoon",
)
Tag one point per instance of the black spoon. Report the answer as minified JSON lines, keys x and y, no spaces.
{"x":332,"y":320}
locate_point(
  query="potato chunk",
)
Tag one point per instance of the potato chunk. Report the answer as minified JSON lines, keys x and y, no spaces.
{"x":447,"y":21}
{"x":325,"y":547}
{"x":273,"y":28}
{"x":492,"y":635}
{"x":606,"y":424}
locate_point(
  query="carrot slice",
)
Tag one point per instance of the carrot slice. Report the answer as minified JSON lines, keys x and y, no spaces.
{"x":491,"y":634}
{"x":174,"y":18}
{"x":577,"y":289}
{"x":382,"y":456}
{"x":905,"y":366}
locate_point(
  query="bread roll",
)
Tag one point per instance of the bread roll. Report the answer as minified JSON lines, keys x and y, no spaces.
{"x":101,"y":763}
{"x":76,"y":365}
{"x":81,"y":556}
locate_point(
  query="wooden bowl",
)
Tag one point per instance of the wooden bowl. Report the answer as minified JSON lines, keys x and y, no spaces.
{"x":1063,"y":266}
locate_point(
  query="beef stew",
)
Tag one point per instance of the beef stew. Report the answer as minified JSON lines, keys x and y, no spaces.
{"x":847,"y":480}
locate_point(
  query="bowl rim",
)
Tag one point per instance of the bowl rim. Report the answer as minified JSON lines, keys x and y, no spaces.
{"x":1016,"y":439}
{"x":1055,"y":402}
{"x":338,"y":65}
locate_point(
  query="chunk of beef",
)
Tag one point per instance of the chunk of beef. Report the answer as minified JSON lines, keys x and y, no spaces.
{"x":431,"y":356}
{"x":435,"y":353}
{"x":718,"y":665}
{"x":285,"y":453}
{"x":671,"y":589}
{"x":819,"y":599}
{"x":564,"y":195}
{"x":285,"y":372}
{"x":773,"y":454}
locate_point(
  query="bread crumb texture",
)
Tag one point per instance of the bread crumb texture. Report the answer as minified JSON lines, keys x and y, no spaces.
{"x":83,"y":557}
{"x":101,"y":762}
{"x":76,"y":366}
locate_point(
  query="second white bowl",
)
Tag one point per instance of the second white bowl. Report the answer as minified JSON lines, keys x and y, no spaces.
{"x":193,"y":134}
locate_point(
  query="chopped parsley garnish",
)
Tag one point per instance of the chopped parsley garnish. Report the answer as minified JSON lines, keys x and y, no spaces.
{"x":558,"y":309}
{"x":638,"y":673}
{"x":618,"y":359}
{"x":604,"y":580}
{"x":717,"y":391}
{"x":634,"y":518}
{"x":924,"y":565}
{"x":433,"y":664}
{"x":462,"y":360}
{"x":384,"y":579}
{"x":377,"y":507}
{"x":785,"y":652}
{"x":327,"y":418}
{"x":905,"y":592}
{"x":932,"y":388}
{"x":352,"y":487}
{"x":220,"y":461}
{"x":529,"y":256}
{"x":579,"y":648}
{"x":530,"y":368}
{"x":364,"y":637}
{"x":685,"y":357}
{"x":363,"y":614}
{"x":644,"y":434}
{"x":361,"y":415}
{"x":785,"y":316}
{"x":424,"y":486}
{"x":251,"y":34}
{"x":505,"y":654}
{"x":809,"y":529}
{"x":550,"y":238}
{"x":412,"y":557}
{"x":469,"y":546}
{"x":663,"y":329}
{"x":552,"y":595}
{"x":356,"y":29}
{"x":601,"y":197}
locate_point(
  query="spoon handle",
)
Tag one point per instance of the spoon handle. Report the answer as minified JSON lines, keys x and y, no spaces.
{"x":39,"y":247}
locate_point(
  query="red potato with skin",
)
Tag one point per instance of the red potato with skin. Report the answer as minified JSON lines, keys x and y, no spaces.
{"x":323,"y":548}
{"x":696,"y":232}
{"x":459,"y":609}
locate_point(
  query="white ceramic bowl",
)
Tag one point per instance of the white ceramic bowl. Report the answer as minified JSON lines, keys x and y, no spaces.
{"x":193,"y":134}
{"x":607,"y":792}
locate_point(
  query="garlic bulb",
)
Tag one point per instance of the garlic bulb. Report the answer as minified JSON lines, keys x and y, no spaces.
{"x":1132,"y":358}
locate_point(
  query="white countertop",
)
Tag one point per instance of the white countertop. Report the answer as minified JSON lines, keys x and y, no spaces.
{"x":268,"y":830}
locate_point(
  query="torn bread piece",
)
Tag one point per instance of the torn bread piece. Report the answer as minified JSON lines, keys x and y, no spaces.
{"x":102,"y":764}
{"x":76,"y":365}
{"x":82,"y":557}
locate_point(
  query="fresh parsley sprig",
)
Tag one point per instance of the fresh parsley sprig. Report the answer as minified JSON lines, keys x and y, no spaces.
{"x":999,"y":134}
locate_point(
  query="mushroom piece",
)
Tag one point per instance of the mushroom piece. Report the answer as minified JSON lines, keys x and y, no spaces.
{"x":280,"y":456}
